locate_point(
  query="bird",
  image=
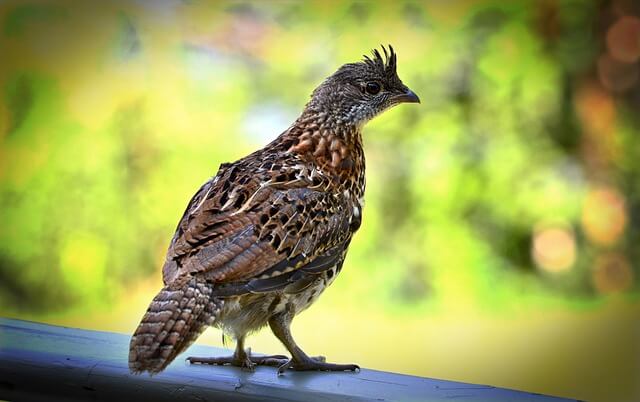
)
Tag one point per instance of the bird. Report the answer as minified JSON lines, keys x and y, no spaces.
{"x":261,"y":240}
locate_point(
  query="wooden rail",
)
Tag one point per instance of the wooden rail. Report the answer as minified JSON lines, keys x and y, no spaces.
{"x":44,"y":362}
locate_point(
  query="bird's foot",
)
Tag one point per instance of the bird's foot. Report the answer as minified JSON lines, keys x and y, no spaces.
{"x":316,"y":363}
{"x":245,"y":360}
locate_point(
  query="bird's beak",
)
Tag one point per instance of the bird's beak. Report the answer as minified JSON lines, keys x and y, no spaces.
{"x":408,"y":97}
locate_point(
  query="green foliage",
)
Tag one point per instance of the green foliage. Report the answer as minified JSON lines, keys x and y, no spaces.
{"x":113,"y":115}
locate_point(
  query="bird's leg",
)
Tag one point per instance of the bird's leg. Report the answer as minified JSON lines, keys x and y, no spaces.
{"x":280,"y":325}
{"x":242,"y":358}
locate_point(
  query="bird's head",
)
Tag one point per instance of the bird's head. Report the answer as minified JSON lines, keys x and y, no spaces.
{"x":357,"y":92}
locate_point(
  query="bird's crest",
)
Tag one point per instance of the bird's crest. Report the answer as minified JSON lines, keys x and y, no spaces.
{"x":387,"y":65}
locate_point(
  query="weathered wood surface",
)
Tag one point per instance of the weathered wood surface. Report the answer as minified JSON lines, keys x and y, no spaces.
{"x":44,"y":362}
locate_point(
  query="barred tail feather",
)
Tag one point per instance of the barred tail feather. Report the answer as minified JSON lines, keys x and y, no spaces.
{"x":175,"y":318}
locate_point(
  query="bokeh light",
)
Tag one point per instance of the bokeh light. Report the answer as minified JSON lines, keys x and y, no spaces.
{"x":554,"y":248}
{"x":623,"y":39}
{"x":604,"y":215}
{"x":612,"y":273}
{"x":615,"y":75}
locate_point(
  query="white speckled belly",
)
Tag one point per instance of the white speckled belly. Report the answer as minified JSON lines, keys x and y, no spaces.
{"x":247,"y":313}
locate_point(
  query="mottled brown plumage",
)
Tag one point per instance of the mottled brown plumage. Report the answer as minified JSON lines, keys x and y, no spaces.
{"x":262,"y":239}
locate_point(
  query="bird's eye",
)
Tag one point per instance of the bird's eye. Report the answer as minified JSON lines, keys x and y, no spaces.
{"x":372,"y":87}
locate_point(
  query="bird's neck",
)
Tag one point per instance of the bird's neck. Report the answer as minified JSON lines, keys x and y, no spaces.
{"x":326,"y":139}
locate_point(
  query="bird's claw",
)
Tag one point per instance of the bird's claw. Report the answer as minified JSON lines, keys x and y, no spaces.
{"x":317,"y":363}
{"x":246,"y":362}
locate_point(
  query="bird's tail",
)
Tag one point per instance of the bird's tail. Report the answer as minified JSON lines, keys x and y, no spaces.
{"x":175,"y":318}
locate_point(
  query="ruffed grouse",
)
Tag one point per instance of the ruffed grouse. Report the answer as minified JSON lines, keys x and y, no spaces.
{"x":261,"y":240}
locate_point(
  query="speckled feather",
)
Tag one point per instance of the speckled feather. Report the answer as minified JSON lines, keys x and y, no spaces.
{"x":271,"y":230}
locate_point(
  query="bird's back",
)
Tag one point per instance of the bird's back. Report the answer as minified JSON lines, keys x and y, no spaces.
{"x":273,"y":207}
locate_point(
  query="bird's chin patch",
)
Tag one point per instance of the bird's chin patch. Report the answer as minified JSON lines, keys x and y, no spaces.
{"x":359,"y":115}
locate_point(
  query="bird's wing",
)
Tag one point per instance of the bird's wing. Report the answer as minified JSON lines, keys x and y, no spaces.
{"x":243,"y":227}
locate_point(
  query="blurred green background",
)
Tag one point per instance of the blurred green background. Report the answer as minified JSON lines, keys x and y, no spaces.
{"x":501,"y":233}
